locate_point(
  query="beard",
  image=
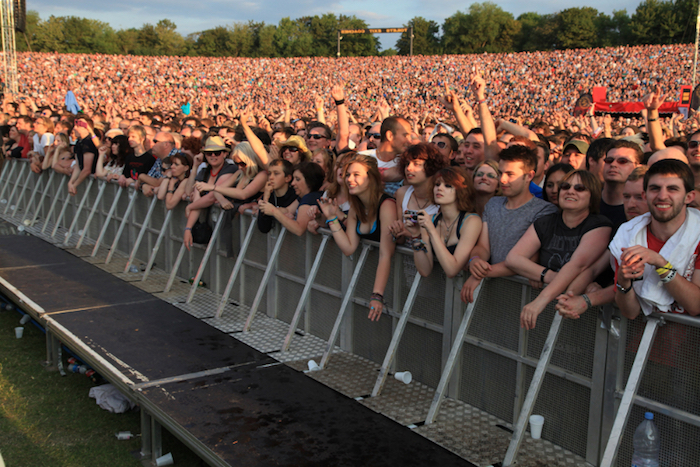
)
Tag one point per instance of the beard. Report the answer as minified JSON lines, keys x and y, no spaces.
{"x":666,"y":216}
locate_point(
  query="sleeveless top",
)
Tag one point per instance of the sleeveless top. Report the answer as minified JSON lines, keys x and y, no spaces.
{"x":375,"y":233}
{"x":431,"y":209}
{"x":462,"y":215}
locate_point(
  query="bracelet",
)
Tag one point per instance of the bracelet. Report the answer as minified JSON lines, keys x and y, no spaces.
{"x":544,"y":273}
{"x":652,"y":119}
{"x":588,"y":300}
{"x":377,"y":297}
{"x":665,"y":268}
{"x":188,"y":228}
{"x":332,"y":220}
{"x":482,"y":101}
{"x":470,"y":259}
{"x":418,"y":245}
{"x":340,"y":102}
{"x":669,"y":277}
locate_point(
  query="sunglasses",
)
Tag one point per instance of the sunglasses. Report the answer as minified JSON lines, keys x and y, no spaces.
{"x":290,"y":149}
{"x":487,"y":175}
{"x":440,"y":144}
{"x":156,"y":141}
{"x":317,"y":137}
{"x":578,"y":187}
{"x":693,"y":144}
{"x":217,"y":153}
{"x":241,"y":164}
{"x":374,"y":135}
{"x":619,"y":160}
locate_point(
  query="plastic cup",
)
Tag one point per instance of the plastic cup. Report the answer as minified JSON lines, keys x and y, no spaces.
{"x":536,"y":422}
{"x":19,"y":331}
{"x":313,"y":366}
{"x":25,"y":319}
{"x":166,"y":459}
{"x":404,"y":376}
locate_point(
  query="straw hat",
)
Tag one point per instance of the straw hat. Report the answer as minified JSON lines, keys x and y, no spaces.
{"x":214,"y":144}
{"x":295,"y":142}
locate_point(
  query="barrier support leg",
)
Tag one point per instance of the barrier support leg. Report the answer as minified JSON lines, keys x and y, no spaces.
{"x":53,"y":203}
{"x":265,"y":280}
{"x":210,"y":247}
{"x":7,"y":176}
{"x":156,"y":247}
{"x":396,"y":337}
{"x":14,"y":188}
{"x":533,"y":391}
{"x":132,"y":201}
{"x":66,"y":202}
{"x":345,"y":305}
{"x":623,"y":413}
{"x":457,"y":345}
{"x":236,"y":268}
{"x":110,"y":215}
{"x":83,"y":200}
{"x":100,"y":193}
{"x":30,"y":203}
{"x":176,"y":265}
{"x":47,"y":190}
{"x":20,"y":197}
{"x":142,"y":232}
{"x":306,"y":293}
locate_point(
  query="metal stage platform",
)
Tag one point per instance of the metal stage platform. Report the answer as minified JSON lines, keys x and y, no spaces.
{"x":230,"y":403}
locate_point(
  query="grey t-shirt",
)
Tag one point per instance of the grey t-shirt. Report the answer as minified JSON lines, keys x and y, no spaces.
{"x":506,"y":226}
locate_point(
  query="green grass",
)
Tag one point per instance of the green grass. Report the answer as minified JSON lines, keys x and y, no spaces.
{"x":49,"y":420}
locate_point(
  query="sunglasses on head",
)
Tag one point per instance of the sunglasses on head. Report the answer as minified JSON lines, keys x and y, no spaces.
{"x":374,"y":135}
{"x":578,"y":187}
{"x":440,"y":144}
{"x":490,"y":175}
{"x":317,"y":137}
{"x":290,"y":149}
{"x":693,"y":144}
{"x":619,"y":160}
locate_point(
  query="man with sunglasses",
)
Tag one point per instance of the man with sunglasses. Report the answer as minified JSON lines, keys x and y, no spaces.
{"x":318,"y":136}
{"x":395,"y":139}
{"x":446,"y":145}
{"x":163,"y":146}
{"x":620,"y":160}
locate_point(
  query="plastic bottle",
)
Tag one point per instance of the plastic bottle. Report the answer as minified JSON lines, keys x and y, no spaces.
{"x":646,"y":443}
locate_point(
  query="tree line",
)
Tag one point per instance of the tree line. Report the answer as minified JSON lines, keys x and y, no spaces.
{"x":484,"y":27}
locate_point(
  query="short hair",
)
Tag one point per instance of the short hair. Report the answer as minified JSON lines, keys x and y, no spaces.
{"x":598,"y":150}
{"x":137,"y":129}
{"x":623,"y":143}
{"x":519,"y":153}
{"x":592,"y":184}
{"x":48,"y":123}
{"x":638,"y":173}
{"x":312,"y":173}
{"x":463,"y":184}
{"x":474,"y":131}
{"x":672,"y":167}
{"x":450,"y":140}
{"x":523,"y":140}
{"x":541,"y":125}
{"x":390,"y":124}
{"x":287,"y":167}
{"x":545,"y":148}
{"x":27,"y":119}
{"x":326,"y":130}
{"x":423,"y":151}
{"x":286,"y":131}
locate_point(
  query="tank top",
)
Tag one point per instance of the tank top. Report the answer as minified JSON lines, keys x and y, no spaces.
{"x":430,"y":209}
{"x":462,"y":215}
{"x":375,"y":233}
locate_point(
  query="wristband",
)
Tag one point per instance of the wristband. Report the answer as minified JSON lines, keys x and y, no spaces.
{"x":188,"y":228}
{"x":669,"y":277}
{"x":587,"y":300}
{"x":544,"y":273}
{"x":329,"y":221}
{"x":470,"y":259}
{"x":482,"y":101}
{"x":665,"y":268}
{"x":652,"y":119}
{"x":340,"y":102}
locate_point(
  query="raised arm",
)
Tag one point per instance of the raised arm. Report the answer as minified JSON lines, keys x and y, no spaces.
{"x":254,"y":141}
{"x":338,"y":95}
{"x":652,"y":102}
{"x":488,"y":128}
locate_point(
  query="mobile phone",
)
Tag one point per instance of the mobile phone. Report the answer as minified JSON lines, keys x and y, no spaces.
{"x":413,"y":214}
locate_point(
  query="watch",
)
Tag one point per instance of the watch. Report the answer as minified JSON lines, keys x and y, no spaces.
{"x":622,"y":289}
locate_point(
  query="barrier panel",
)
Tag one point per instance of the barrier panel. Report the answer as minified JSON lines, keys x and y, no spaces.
{"x":581,"y":375}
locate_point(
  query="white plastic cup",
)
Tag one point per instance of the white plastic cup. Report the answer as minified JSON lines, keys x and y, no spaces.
{"x":313,"y":366}
{"x":124,"y":435}
{"x":166,"y":459}
{"x":19,"y":331}
{"x":404,"y":376}
{"x":536,"y":422}
{"x":25,"y":319}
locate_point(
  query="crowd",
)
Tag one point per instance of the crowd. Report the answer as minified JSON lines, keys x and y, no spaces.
{"x":474,"y":162}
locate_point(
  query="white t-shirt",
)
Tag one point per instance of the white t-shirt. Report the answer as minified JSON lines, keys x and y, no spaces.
{"x":39,"y":145}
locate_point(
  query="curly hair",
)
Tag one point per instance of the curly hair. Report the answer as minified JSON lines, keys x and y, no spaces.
{"x":460,"y":180}
{"x":423,"y":151}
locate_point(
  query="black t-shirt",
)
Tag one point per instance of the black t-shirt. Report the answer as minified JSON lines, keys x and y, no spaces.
{"x":558,"y":242}
{"x":81,"y":148}
{"x":266,"y":222}
{"x":135,"y":166}
{"x":204,"y":174}
{"x":616,"y":214}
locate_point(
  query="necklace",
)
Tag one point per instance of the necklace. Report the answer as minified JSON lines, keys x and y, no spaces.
{"x":217,"y":172}
{"x":446,"y":237}
{"x":427,"y":201}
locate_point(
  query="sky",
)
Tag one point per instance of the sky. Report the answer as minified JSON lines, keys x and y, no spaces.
{"x":193,"y":16}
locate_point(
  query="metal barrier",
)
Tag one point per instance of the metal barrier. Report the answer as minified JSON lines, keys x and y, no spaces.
{"x":572,"y":372}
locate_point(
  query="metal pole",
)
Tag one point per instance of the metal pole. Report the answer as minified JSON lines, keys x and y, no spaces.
{"x":265,"y":280}
{"x":78,"y":211}
{"x":236,"y":268}
{"x":16,"y":185}
{"x":396,"y":337}
{"x":306,"y":293}
{"x":47,"y":189}
{"x":53,"y":203}
{"x":452,"y":358}
{"x":31,"y":198}
{"x":410,"y":35}
{"x":110,"y":214}
{"x":21,"y":194}
{"x":6,"y":183}
{"x":95,"y":205}
{"x":207,"y":254}
{"x":338,"y":52}
{"x":125,"y":219}
{"x":156,"y":247}
{"x":142,"y":232}
{"x":176,"y":265}
{"x":345,"y":305}
{"x":66,"y":202}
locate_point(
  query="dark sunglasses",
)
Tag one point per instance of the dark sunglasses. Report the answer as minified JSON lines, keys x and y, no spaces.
{"x":290,"y":149}
{"x":241,"y":164}
{"x":693,"y":144}
{"x":317,"y":137}
{"x":156,"y":141}
{"x":487,"y":175}
{"x":217,"y":153}
{"x":440,"y":144}
{"x":578,"y":187}
{"x":619,"y":160}
{"x":374,"y":135}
